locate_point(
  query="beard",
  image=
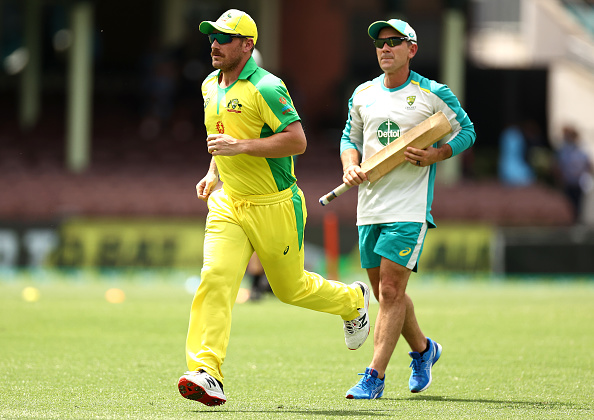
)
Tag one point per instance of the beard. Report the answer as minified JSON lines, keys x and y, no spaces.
{"x":226,"y":63}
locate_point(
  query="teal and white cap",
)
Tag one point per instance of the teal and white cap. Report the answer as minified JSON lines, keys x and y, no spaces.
{"x":401,"y":26}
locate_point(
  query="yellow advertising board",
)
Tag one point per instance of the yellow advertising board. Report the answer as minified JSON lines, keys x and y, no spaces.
{"x":129,"y":243}
{"x":459,"y":247}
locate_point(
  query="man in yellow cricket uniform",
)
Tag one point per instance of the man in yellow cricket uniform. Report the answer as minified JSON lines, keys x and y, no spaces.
{"x":253,"y":133}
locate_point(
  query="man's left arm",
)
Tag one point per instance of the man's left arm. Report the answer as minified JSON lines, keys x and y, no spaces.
{"x":429,"y":156}
{"x":462,"y":138}
{"x":463,"y":135}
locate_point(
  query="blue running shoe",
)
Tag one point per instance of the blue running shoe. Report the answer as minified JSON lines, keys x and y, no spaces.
{"x":369,"y":386}
{"x":420,"y":378}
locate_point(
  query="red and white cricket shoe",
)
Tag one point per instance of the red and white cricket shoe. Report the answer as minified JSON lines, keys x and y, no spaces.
{"x":202,"y":387}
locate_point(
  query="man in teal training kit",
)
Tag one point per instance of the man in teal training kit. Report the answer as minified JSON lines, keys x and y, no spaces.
{"x":394,"y":213}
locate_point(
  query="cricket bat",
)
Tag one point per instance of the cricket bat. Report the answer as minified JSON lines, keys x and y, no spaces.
{"x":421,"y":136}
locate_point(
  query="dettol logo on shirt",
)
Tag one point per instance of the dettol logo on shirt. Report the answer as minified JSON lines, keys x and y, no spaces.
{"x":387,"y":132}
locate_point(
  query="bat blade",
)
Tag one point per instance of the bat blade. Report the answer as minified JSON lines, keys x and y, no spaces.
{"x":421,"y":136}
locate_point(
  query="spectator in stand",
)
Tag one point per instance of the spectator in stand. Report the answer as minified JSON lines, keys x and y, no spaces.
{"x":514,"y":169}
{"x":573,"y":169}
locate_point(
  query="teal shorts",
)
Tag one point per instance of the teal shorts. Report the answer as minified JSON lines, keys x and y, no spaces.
{"x":401,"y":242}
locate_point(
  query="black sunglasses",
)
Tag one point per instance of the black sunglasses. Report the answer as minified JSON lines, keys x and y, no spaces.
{"x":392,"y":41}
{"x":224,"y":38}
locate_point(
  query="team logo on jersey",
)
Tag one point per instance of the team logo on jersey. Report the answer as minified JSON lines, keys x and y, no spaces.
{"x":234,"y":106}
{"x":220,"y":127}
{"x":387,"y":132}
{"x":410,"y":100}
{"x":286,"y":107}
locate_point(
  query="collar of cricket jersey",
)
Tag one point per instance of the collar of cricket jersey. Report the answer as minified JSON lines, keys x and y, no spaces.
{"x":249,"y":68}
{"x":402,"y":86}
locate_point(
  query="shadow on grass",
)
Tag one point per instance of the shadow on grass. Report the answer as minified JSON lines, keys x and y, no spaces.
{"x":323,"y":413}
{"x":503,"y":403}
{"x":384,"y":412}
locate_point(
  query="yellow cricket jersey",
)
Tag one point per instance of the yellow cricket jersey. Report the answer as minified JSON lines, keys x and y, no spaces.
{"x":257,"y":105}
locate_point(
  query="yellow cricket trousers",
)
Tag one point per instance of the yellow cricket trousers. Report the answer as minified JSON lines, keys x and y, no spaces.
{"x":236,"y":226}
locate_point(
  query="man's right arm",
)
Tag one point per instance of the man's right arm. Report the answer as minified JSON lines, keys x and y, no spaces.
{"x":207,"y":184}
{"x":350,"y":143}
{"x":352,"y":173}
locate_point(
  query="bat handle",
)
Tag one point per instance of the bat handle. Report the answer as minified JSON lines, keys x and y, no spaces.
{"x":333,"y":194}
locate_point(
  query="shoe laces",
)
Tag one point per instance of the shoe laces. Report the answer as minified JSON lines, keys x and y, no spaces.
{"x":368,"y":382}
{"x":200,"y":372}
{"x":352,"y":326}
{"x":356,"y":324}
{"x":418,"y":365}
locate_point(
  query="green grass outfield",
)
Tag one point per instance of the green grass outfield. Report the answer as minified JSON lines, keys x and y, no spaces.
{"x":511,"y":350}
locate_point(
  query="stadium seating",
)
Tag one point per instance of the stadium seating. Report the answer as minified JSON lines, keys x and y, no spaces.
{"x":131,"y":175}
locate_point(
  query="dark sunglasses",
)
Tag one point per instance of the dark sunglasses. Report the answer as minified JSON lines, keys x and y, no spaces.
{"x":392,"y":41}
{"x":224,"y":38}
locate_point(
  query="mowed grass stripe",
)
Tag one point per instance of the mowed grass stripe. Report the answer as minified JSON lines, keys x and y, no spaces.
{"x":511,"y":350}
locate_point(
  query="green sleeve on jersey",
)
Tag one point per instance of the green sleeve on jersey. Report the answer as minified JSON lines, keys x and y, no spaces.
{"x":277,"y":113}
{"x":276,"y":96}
{"x":281,"y":168}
